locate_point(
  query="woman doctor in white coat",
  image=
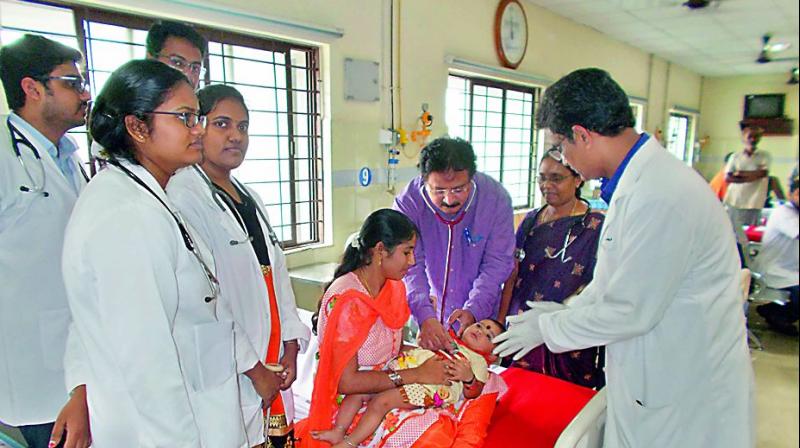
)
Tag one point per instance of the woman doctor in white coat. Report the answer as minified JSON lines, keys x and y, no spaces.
{"x":250,"y":263}
{"x":665,"y":295}
{"x":141,"y":286}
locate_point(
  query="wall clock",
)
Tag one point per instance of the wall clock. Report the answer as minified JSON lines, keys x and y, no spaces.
{"x":510,"y":33}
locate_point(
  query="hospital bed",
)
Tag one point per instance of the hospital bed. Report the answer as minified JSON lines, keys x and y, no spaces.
{"x":578,"y":421}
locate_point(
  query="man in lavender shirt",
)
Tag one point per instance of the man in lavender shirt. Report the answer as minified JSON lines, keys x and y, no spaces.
{"x":465,"y":247}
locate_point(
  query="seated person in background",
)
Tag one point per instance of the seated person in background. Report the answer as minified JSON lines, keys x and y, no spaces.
{"x":748,"y":181}
{"x":469,"y":373}
{"x":778,"y":262}
{"x":556,"y":252}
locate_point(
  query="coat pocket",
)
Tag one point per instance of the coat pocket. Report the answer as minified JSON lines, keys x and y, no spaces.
{"x":53,"y":328}
{"x":214,"y":353}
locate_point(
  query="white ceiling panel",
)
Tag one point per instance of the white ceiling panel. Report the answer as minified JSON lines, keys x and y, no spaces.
{"x":723,"y":39}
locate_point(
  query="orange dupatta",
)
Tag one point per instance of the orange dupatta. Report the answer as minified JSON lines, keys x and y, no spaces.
{"x":347,"y":327}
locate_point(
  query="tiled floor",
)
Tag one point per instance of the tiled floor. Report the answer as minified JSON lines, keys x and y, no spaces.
{"x":777,"y":403}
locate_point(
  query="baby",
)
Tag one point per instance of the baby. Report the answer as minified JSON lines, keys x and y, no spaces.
{"x":472,"y":355}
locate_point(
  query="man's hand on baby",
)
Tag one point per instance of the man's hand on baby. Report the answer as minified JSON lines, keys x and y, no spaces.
{"x":460,"y":370}
{"x":464,"y":319}
{"x":432,"y":336}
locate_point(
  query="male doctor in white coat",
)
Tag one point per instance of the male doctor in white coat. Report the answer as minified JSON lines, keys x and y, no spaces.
{"x":40,"y":178}
{"x":665,"y":294}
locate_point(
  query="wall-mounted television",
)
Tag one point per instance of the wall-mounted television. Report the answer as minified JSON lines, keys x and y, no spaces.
{"x":764,"y":106}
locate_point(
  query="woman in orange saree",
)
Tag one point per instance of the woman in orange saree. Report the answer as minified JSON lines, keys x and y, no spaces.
{"x":360,"y":323}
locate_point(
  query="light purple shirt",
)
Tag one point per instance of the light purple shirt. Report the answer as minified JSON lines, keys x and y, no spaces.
{"x":481,"y":256}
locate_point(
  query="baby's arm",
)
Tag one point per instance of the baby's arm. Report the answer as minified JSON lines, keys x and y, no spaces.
{"x":462,"y":371}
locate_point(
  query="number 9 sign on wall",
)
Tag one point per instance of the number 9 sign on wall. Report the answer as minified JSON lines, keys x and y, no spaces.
{"x":364,"y":177}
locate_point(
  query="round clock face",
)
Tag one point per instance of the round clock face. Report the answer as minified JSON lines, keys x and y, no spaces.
{"x":513,"y":33}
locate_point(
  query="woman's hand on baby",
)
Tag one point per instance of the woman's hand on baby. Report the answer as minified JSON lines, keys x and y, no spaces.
{"x":459,"y":369}
{"x":433,"y":371}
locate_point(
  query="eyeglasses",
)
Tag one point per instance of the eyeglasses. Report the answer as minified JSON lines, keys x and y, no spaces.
{"x":75,"y":82}
{"x":554,"y":178}
{"x":180,"y":63}
{"x":189,"y":119}
{"x":442,"y":192}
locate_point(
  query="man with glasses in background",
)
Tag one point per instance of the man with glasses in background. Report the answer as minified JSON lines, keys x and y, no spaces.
{"x":40,"y":179}
{"x":180,"y":46}
{"x":465,"y":245}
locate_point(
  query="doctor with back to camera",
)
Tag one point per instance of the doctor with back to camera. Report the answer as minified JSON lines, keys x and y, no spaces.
{"x":40,"y":178}
{"x":250,"y":263}
{"x":665,"y":295}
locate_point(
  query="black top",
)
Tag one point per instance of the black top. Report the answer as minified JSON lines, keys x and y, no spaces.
{"x":247,"y":210}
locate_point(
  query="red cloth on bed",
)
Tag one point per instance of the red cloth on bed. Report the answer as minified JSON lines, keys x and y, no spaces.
{"x":535,"y":410}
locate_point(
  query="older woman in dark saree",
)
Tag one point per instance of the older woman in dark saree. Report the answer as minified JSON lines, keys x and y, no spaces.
{"x":556,"y":250}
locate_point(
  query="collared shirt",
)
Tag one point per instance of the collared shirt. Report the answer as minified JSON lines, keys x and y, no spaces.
{"x":61,"y":155}
{"x":610,"y":185}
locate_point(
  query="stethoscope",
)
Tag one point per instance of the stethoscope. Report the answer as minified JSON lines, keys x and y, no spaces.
{"x":34,"y":187}
{"x":18,"y":138}
{"x":568,"y":240}
{"x":451,"y":223}
{"x":225,"y":203}
{"x":213,"y":283}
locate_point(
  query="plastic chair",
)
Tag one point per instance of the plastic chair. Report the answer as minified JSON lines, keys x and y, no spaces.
{"x":586,"y":430}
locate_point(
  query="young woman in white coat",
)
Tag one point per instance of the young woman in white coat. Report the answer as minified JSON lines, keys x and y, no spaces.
{"x":250,"y":263}
{"x":161,"y":364}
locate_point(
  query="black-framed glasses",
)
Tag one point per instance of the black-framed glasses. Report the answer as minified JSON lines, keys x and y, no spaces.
{"x":189,"y":119}
{"x":180,"y":63}
{"x":75,"y":82}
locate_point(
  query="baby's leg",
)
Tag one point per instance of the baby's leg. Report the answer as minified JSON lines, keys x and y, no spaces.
{"x":347,"y":411}
{"x":378,"y":407}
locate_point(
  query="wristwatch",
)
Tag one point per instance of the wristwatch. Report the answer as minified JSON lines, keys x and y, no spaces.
{"x":395,"y":378}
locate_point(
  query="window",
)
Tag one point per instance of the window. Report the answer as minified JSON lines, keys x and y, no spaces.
{"x":680,"y":136}
{"x":497,"y":118}
{"x":277,"y":79}
{"x":638,"y":115}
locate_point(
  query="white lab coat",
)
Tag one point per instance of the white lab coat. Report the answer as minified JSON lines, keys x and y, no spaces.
{"x":242,"y":282}
{"x":161,"y":367}
{"x":665,"y":302}
{"x":34,"y":315}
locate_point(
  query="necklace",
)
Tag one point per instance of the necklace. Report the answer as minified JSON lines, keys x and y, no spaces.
{"x":364,"y":283}
{"x":543,"y":219}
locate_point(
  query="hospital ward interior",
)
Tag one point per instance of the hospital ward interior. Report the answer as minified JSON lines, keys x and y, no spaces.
{"x":399,"y":223}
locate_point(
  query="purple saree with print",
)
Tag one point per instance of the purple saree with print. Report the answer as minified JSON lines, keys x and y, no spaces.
{"x":557,"y":259}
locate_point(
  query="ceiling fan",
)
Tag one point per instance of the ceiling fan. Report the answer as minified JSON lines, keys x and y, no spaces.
{"x":768,"y":49}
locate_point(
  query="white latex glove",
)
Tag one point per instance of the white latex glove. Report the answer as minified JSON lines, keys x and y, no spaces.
{"x":524,"y":333}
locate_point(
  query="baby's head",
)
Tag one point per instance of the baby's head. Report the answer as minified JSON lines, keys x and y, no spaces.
{"x":479,"y":335}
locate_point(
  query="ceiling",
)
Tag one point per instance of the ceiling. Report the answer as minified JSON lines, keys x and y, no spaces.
{"x":721,"y":40}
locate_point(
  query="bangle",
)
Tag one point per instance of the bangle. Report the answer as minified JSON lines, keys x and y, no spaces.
{"x":395,"y":378}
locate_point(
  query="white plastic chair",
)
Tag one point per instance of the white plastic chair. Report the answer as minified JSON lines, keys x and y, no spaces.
{"x":587,"y":428}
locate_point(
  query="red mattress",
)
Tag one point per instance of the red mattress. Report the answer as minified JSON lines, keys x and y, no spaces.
{"x":535,"y":410}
